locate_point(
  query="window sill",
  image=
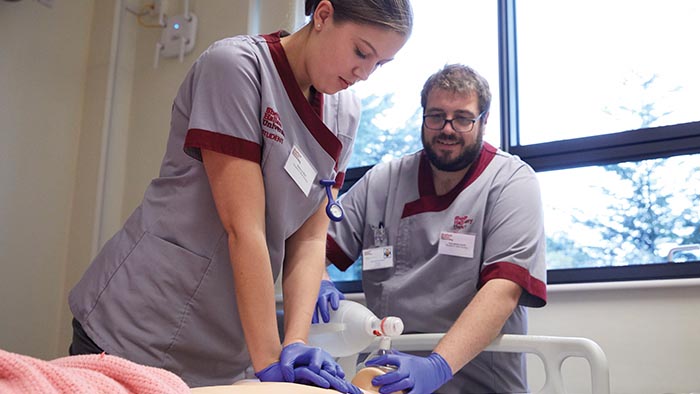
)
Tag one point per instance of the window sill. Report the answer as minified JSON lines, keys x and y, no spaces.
{"x":624,"y":285}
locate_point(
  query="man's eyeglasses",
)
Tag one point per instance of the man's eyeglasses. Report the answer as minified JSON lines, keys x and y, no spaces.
{"x":459,"y":124}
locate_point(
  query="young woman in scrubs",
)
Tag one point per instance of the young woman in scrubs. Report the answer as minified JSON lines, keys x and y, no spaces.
{"x":261,"y":130}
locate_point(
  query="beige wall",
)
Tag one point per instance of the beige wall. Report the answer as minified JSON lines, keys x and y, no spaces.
{"x":59,"y":104}
{"x":43,"y":77}
{"x":650,"y":332}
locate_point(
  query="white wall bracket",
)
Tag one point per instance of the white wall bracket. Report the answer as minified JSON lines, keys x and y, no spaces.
{"x":178,"y":37}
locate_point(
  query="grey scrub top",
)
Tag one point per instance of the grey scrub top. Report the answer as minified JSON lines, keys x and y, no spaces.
{"x":161,"y":291}
{"x":497,"y":202}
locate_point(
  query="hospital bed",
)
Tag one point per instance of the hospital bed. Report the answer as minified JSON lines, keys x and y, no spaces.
{"x":552,"y":350}
{"x":103,"y":372}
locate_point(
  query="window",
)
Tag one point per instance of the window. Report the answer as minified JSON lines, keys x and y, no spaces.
{"x":622,"y":214}
{"x":599,"y":97}
{"x":391,"y":116}
{"x":597,"y":67}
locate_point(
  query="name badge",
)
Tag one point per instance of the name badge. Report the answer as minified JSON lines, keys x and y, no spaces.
{"x":456,"y":244}
{"x":300,"y":169}
{"x":377,"y":258}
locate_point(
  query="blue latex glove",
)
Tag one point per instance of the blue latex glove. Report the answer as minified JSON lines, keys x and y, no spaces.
{"x":328,"y":294}
{"x":305,"y":364}
{"x":314,"y":358}
{"x":271,"y":373}
{"x":416,"y":375}
{"x":303,"y":375}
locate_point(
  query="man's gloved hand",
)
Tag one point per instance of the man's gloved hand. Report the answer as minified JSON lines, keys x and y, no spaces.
{"x":416,"y":375}
{"x":305,"y":364}
{"x":328,"y":294}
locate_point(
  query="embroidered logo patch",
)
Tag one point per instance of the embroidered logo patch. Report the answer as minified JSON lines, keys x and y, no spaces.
{"x":461,"y":222}
{"x":271,"y":122}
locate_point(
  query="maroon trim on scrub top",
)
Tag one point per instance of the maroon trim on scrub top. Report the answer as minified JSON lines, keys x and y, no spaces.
{"x":536,"y":289}
{"x":429,"y":201}
{"x":222,"y":143}
{"x":339,"y":180}
{"x":336,"y":255}
{"x":316,"y":102}
{"x":311,"y":113}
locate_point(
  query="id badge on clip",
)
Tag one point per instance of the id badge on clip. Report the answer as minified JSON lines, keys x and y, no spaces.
{"x":456,"y":244}
{"x":300,"y":169}
{"x":377,"y":258}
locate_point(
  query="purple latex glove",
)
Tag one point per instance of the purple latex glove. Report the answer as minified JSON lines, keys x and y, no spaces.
{"x":416,"y":375}
{"x":327,"y":294}
{"x":305,"y":364}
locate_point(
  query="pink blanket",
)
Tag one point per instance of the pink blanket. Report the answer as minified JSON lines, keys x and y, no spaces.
{"x":96,"y":373}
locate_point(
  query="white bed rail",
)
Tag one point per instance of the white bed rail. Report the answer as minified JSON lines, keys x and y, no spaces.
{"x":552,"y":350}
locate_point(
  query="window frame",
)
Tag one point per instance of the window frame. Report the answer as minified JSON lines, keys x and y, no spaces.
{"x":629,"y":145}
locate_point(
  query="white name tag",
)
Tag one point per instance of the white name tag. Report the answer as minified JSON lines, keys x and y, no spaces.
{"x":455,"y":244}
{"x":300,"y":170}
{"x":376,"y":258}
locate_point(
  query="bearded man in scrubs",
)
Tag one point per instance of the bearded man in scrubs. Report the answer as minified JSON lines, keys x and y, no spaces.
{"x":452,"y":240}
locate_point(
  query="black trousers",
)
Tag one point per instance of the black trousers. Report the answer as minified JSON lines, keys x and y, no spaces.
{"x":82,"y":344}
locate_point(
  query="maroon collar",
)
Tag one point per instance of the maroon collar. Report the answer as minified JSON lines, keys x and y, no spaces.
{"x":428,"y":201}
{"x":310,"y":112}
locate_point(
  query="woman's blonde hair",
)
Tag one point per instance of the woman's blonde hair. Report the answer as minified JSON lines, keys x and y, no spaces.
{"x":396,"y":15}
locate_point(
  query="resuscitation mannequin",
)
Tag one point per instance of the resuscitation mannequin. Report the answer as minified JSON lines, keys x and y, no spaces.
{"x":363,"y":380}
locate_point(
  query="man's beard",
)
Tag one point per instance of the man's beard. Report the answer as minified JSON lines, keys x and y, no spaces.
{"x":461,"y":162}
